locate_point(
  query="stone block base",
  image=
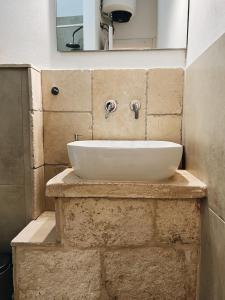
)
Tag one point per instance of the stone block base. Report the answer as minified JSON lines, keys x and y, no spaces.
{"x":57,"y":274}
{"x":161,"y":269}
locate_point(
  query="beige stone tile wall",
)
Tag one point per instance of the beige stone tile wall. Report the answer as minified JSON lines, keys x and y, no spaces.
{"x":35,"y":90}
{"x":36,"y":141}
{"x":164,"y":104}
{"x":74,"y":90}
{"x":164,"y":127}
{"x":38,"y":191}
{"x":36,"y":122}
{"x":165,"y":91}
{"x":60,"y":129}
{"x":50,"y":172}
{"x":79,"y":108}
{"x":122,"y":86}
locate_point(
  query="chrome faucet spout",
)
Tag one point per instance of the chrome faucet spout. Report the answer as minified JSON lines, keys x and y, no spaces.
{"x":135,"y":106}
{"x":136,"y":111}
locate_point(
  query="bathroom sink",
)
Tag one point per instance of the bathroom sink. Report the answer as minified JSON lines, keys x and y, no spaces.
{"x":124,"y":160}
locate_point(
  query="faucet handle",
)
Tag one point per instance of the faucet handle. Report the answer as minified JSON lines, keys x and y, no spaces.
{"x":135,"y":106}
{"x":110,"y":107}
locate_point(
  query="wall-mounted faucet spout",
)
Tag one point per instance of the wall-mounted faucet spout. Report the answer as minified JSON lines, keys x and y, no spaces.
{"x":135,"y":106}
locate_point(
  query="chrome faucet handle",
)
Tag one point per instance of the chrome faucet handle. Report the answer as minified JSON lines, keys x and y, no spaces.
{"x":135,"y":106}
{"x":110,"y":107}
{"x":76,"y":136}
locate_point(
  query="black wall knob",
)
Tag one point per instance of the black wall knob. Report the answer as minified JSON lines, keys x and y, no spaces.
{"x":55,"y":91}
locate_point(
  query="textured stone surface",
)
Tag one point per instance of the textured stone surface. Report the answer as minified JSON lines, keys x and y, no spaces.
{"x":59,"y":129}
{"x":204,"y":127}
{"x":15,"y":185}
{"x":123,"y":86}
{"x":13,"y":214}
{"x":165,"y":91}
{"x":38,"y":191}
{"x":99,"y":222}
{"x":74,"y":90}
{"x":204,"y":124}
{"x":212,"y":267}
{"x":11,"y":133}
{"x":39,"y":232}
{"x":178,"y":221}
{"x":35,"y":92}
{"x":166,"y":128}
{"x":150,"y":273}
{"x":50,"y":172}
{"x":57,"y":274}
{"x":181,"y":185}
{"x":36,"y":127}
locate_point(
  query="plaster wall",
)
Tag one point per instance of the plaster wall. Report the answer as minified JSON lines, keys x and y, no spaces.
{"x":203,"y":124}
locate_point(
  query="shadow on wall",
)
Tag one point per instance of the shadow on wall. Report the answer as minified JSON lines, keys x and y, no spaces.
{"x":6,"y":281}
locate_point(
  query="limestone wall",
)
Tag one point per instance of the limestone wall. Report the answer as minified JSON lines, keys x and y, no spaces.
{"x":109,"y":249}
{"x":21,"y":153}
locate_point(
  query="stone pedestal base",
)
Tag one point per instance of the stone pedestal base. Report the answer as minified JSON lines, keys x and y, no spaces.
{"x":107,"y":248}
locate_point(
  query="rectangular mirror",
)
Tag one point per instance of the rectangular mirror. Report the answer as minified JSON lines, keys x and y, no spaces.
{"x":88,"y":25}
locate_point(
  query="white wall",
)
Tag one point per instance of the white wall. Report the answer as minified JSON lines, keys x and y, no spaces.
{"x":172,"y":23}
{"x":206,"y":25}
{"x":66,"y":8}
{"x":28,"y":35}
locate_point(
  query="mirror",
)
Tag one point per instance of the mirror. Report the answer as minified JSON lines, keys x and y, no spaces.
{"x":94,"y":25}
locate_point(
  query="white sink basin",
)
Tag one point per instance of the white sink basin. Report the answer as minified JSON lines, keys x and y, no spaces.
{"x":125,"y":160}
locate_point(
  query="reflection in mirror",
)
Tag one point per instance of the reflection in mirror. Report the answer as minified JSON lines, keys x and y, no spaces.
{"x":121,"y":24}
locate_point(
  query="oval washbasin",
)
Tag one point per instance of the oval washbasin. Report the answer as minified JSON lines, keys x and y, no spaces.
{"x":124,"y":160}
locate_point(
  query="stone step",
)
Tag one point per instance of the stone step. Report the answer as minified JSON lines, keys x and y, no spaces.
{"x":41,"y":231}
{"x":45,"y":269}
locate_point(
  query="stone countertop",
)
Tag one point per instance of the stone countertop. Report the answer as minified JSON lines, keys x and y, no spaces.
{"x":182,"y":185}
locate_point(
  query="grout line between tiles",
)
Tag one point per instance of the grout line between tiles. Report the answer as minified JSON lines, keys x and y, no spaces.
{"x":146,"y":104}
{"x":13,"y":185}
{"x":35,"y":168}
{"x":172,"y":114}
{"x":182,"y":111}
{"x":92,"y":105}
{"x":35,"y":110}
{"x":216,"y":215}
{"x":56,"y":165}
{"x":79,"y":112}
